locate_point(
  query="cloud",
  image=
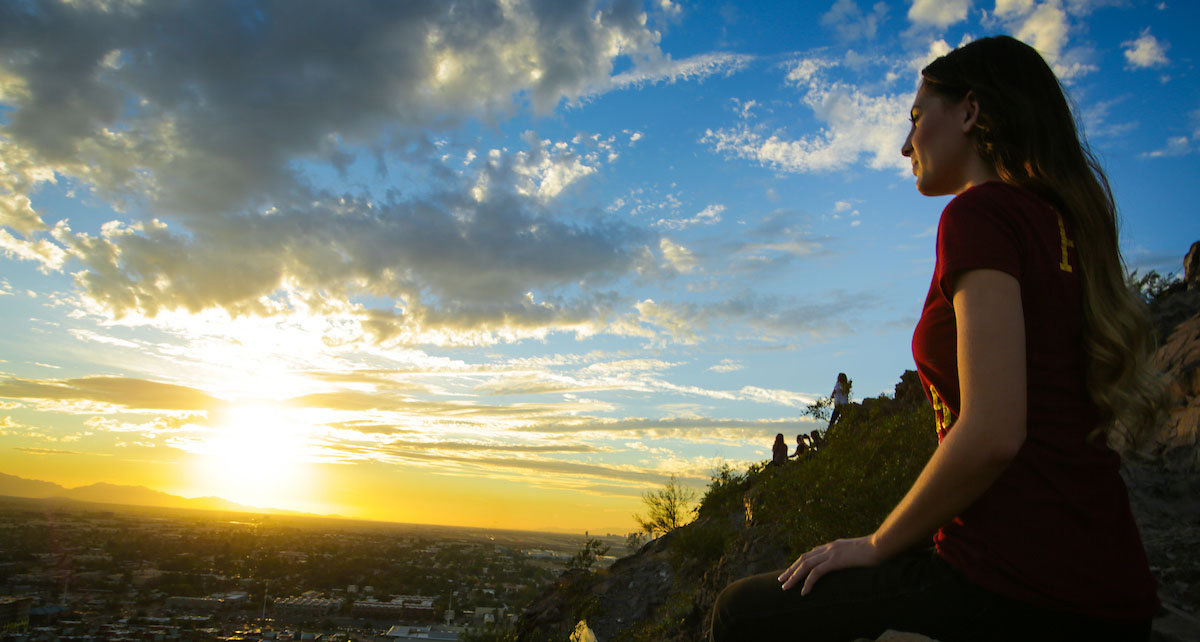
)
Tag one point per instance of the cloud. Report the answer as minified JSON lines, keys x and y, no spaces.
{"x":849,"y":21}
{"x":202,"y":107}
{"x":1046,"y":27}
{"x":677,"y":257}
{"x":770,"y":318}
{"x":938,"y":13}
{"x":698,"y":428}
{"x":50,"y":256}
{"x":51,"y":451}
{"x":1095,"y":120}
{"x":1175,"y":146}
{"x":663,"y":69}
{"x":1006,"y":8}
{"x":548,"y":168}
{"x":710,"y":215}
{"x":558,"y":470}
{"x":117,"y":391}
{"x":450,"y":447}
{"x":857,"y":126}
{"x":21,"y":174}
{"x":461,"y":267}
{"x":726,"y":365}
{"x":1145,"y":52}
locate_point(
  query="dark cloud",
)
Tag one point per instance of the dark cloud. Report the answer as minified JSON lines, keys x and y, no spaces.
{"x":473,"y":447}
{"x":451,"y":262}
{"x":541,"y":466}
{"x":687,"y":427}
{"x":770,"y":317}
{"x":360,"y":401}
{"x":203,"y":105}
{"x":118,"y":391}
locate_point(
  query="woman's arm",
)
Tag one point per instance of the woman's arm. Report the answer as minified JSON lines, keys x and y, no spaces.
{"x":985,"y":438}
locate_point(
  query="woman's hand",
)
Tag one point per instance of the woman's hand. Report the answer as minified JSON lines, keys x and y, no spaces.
{"x":838,"y":554}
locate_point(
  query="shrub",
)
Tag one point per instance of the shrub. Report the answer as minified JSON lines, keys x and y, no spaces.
{"x":667,"y":508}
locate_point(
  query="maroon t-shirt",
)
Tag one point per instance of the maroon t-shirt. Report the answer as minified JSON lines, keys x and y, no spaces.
{"x":1055,"y":530}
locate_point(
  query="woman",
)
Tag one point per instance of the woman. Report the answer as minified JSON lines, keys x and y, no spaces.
{"x":1034,"y":354}
{"x":779,"y":451}
{"x":840,"y":396}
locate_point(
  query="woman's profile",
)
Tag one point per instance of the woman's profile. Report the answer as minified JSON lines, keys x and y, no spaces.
{"x":1033,"y":353}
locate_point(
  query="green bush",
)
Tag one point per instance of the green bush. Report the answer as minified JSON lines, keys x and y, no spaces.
{"x":724,"y":491}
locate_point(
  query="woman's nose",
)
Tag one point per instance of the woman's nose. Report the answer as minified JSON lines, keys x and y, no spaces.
{"x":907,"y":149}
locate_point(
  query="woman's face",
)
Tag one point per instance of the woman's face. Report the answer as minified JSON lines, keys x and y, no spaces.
{"x":939,"y":143}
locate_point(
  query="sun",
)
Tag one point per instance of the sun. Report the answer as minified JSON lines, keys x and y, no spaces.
{"x":255,"y":455}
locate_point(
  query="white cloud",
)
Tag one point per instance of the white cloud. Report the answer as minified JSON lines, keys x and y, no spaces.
{"x":1006,"y":8}
{"x":1046,"y":27}
{"x":857,"y":126}
{"x":1175,"y":146}
{"x":710,"y":215}
{"x":1145,"y":52}
{"x":726,"y":365}
{"x":50,"y":256}
{"x":938,"y":13}
{"x":548,"y":168}
{"x":664,"y":69}
{"x":677,"y":257}
{"x":849,"y":21}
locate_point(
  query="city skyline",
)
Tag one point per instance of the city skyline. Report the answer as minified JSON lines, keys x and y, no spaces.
{"x":500,"y":265}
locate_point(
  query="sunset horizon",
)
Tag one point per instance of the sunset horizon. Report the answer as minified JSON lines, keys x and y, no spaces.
{"x":508,"y":265}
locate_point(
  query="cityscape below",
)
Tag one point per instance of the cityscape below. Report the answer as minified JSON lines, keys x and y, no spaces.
{"x":72,"y":570}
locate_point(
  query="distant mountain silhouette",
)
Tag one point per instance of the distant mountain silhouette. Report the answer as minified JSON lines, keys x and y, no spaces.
{"x":104,"y":493}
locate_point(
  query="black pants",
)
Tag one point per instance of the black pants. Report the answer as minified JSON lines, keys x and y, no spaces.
{"x":916,"y":592}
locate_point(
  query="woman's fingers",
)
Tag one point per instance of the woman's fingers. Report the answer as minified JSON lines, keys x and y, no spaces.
{"x":813,"y":575}
{"x":842,"y":553}
{"x":802,"y":567}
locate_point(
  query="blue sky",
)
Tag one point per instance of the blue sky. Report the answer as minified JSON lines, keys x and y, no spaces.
{"x":531,"y":258}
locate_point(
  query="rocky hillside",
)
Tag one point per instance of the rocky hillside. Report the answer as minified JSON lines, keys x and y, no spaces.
{"x":761,"y":519}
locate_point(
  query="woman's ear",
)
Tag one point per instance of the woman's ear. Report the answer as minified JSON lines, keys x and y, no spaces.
{"x":971,"y":112}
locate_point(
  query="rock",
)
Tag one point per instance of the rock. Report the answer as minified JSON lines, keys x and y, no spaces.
{"x":1179,"y":361}
{"x":1191,"y":267}
{"x":900,"y":636}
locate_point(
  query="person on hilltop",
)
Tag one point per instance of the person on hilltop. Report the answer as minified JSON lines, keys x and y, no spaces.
{"x":840,"y":397}
{"x":815,"y":440}
{"x":1034,"y":355}
{"x":779,"y":451}
{"x":801,"y":446}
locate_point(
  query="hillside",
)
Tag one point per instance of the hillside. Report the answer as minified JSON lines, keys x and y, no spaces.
{"x":761,"y":519}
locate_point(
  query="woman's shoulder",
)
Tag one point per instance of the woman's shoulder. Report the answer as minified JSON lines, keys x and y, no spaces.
{"x":999,"y":196}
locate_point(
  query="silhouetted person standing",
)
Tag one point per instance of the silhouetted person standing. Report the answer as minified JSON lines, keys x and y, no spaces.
{"x":841,"y":397}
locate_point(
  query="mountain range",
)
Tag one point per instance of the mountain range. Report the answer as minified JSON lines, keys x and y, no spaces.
{"x":103,"y":493}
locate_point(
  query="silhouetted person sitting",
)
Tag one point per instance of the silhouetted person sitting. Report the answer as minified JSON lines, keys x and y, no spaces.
{"x":779,"y":452}
{"x":801,"y":446}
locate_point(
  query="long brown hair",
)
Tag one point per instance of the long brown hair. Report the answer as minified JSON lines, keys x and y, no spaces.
{"x":1026,"y":130}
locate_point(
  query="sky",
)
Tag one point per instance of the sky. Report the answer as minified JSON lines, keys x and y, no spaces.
{"x":505,"y":264}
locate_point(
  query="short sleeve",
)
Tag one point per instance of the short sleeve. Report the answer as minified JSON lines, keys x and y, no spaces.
{"x":978,"y":230}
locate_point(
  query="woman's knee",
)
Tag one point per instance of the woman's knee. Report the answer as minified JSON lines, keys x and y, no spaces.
{"x":739,"y":604}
